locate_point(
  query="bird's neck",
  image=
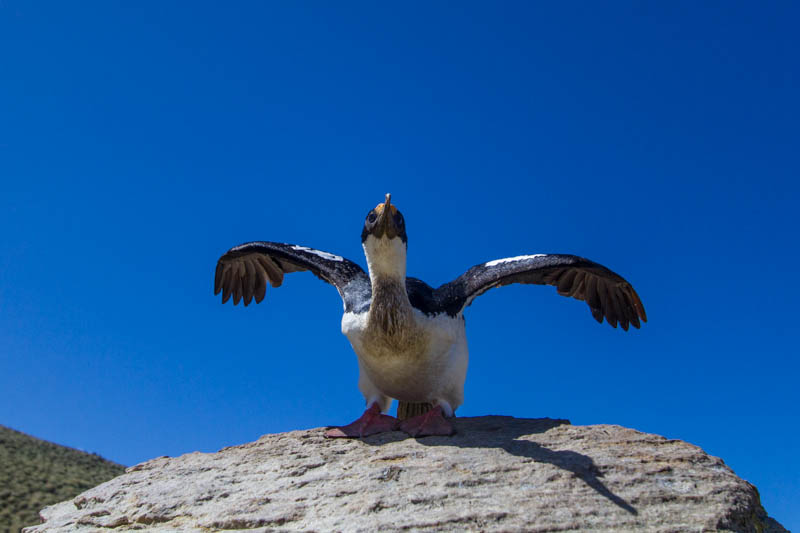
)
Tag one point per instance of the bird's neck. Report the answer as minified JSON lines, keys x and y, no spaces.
{"x":386,"y":260}
{"x":390,"y":310}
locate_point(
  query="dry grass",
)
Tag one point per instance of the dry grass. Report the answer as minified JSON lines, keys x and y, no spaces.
{"x":35,"y":474}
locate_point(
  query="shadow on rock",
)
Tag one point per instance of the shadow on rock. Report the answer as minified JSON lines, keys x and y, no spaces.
{"x":504,"y":432}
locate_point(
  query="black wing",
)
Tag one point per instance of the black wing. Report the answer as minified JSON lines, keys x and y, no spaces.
{"x":245,"y":269}
{"x":607,"y":293}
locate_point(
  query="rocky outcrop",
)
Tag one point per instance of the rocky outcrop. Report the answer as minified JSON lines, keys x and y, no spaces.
{"x":496,"y":474}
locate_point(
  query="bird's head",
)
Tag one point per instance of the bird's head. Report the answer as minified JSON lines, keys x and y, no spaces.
{"x":385,"y":222}
{"x":384,"y":240}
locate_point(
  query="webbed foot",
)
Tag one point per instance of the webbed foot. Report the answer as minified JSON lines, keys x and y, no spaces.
{"x":370,"y":423}
{"x":431,"y":423}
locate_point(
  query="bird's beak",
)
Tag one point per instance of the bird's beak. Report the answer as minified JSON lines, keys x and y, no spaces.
{"x":386,"y":221}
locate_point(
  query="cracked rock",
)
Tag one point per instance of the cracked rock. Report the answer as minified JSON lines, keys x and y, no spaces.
{"x":496,"y":474}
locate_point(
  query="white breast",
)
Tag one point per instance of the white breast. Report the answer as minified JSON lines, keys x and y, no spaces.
{"x":430,"y":365}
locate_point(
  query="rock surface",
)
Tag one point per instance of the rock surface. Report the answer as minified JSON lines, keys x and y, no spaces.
{"x":496,"y":474}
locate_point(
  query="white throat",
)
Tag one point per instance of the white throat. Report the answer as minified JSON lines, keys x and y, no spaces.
{"x":386,"y":258}
{"x":390,"y":322}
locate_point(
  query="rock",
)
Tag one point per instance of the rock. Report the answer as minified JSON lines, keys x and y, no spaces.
{"x":496,"y":474}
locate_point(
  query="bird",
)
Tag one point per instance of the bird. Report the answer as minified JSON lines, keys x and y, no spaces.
{"x":410,"y":338}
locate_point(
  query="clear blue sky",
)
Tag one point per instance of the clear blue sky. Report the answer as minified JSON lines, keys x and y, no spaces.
{"x":141,"y":140}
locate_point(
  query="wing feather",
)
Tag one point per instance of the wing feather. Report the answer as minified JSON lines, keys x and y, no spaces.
{"x":261,"y":283}
{"x":619,"y":316}
{"x":227,"y":286}
{"x":633,"y":314}
{"x":637,"y":303}
{"x":249,"y":282}
{"x":579,"y":287}
{"x":273,"y":272}
{"x":566,"y":280}
{"x":592,"y":298}
{"x":237,"y":283}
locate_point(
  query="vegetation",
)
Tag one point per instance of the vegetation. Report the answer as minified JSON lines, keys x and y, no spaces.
{"x":35,"y":474}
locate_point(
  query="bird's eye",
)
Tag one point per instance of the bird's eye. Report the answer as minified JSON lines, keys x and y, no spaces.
{"x":372,"y":217}
{"x":398,"y":219}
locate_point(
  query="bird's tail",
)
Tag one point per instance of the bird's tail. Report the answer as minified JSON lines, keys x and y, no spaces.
{"x":409,"y":409}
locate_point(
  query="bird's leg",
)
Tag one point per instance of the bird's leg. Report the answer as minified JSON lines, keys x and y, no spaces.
{"x":371,"y":422}
{"x":431,"y":423}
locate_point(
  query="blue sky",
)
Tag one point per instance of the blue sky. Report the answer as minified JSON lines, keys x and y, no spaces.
{"x":139,"y":141}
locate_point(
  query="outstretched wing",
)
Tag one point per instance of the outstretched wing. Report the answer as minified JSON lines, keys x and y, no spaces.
{"x":244,"y":270}
{"x":607,"y":293}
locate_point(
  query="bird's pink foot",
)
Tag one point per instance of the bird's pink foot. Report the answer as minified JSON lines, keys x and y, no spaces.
{"x":370,"y":423}
{"x":431,"y":423}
